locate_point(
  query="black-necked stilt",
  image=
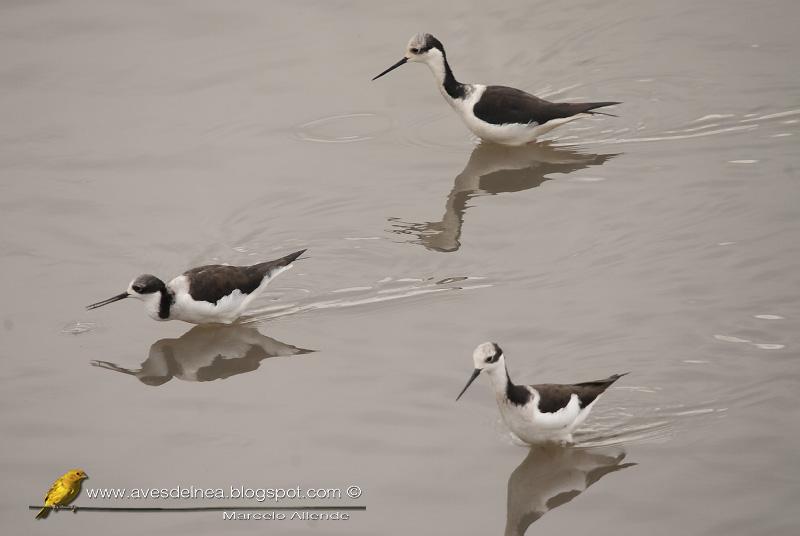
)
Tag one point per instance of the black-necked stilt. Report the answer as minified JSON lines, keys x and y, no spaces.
{"x":537,"y":413}
{"x":206,"y":353}
{"x":498,"y":114}
{"x":212,"y":294}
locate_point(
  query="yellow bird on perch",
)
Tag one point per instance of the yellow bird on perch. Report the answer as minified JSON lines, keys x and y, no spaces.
{"x":63,"y":491}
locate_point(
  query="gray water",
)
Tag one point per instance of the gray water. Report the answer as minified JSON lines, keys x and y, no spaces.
{"x":149,"y":137}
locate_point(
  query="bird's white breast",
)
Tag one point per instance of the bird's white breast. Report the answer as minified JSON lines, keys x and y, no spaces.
{"x":534,"y":426}
{"x":186,"y":308}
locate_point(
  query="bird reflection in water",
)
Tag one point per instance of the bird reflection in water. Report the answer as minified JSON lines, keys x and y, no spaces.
{"x":206,"y":353}
{"x":494,"y":169}
{"x":552,"y":475}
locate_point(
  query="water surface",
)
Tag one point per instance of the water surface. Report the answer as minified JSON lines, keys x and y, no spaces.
{"x":152,"y":137}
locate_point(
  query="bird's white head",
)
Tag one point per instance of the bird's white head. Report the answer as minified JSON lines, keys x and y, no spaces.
{"x":425,"y":48}
{"x":422,"y":48}
{"x":146,"y":287}
{"x":486,"y":357}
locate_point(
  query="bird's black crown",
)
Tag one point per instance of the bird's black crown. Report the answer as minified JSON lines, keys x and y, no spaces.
{"x":147,"y":284}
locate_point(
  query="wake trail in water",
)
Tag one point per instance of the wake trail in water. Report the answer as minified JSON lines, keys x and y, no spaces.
{"x":637,"y":424}
{"x":722,"y":124}
{"x":386,"y":290}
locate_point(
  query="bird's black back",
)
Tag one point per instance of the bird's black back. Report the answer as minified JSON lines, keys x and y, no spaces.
{"x":553,"y":397}
{"x":213,"y":282}
{"x":500,"y":105}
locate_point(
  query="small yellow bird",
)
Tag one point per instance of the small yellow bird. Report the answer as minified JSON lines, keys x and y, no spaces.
{"x":63,"y":491}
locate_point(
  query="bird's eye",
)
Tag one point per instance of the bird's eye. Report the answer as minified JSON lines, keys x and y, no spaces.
{"x":138,"y":288}
{"x":489,"y":359}
{"x":415,"y":51}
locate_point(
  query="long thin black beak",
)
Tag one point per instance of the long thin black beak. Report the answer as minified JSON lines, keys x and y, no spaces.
{"x":392,"y":68}
{"x":475,"y":374}
{"x":106,"y":302}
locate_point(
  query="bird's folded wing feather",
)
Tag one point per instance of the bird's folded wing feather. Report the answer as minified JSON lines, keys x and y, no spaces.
{"x":213,"y":282}
{"x":51,"y":492}
{"x":553,"y":397}
{"x":500,"y":105}
{"x":61,"y":493}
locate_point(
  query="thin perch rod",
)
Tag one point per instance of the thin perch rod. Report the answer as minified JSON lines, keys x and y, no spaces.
{"x":192,"y":508}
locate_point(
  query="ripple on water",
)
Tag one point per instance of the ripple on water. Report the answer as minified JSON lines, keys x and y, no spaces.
{"x":78,"y":328}
{"x":767,"y":346}
{"x":427,"y":134}
{"x":626,"y":425}
{"x":344,"y":128}
{"x":707,"y":125}
{"x":759,"y":345}
{"x":729,"y":338}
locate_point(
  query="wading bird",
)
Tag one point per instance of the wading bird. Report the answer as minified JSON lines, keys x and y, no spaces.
{"x":497,"y":114}
{"x":537,"y":413}
{"x":212,"y":294}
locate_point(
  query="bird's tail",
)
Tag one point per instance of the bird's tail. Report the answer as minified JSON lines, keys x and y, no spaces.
{"x":593,"y":105}
{"x":272,"y":268}
{"x":289,"y":259}
{"x":43,"y":513}
{"x":614,"y":377}
{"x":604,"y":384}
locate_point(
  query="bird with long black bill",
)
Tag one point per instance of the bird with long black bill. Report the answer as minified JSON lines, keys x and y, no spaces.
{"x":537,"y":413}
{"x":212,"y":294}
{"x":498,"y":114}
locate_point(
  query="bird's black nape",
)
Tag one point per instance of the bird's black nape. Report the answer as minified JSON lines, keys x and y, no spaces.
{"x":453,"y":87}
{"x":432,"y":42}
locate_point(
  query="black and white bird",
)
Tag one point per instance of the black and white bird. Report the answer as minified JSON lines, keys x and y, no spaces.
{"x":212,"y":294}
{"x":537,"y":413}
{"x":498,"y":114}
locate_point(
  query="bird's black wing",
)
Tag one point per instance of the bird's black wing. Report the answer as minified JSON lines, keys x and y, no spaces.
{"x":554,"y":397}
{"x":213,"y":282}
{"x":500,"y":105}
